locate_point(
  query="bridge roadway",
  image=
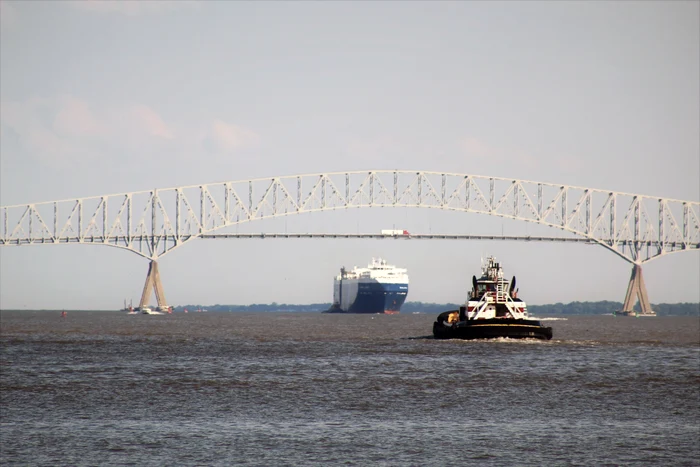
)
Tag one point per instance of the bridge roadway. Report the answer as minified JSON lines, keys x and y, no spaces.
{"x":431,"y":236}
{"x":98,"y":240}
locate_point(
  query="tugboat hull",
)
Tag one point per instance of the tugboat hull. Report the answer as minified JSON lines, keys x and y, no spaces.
{"x":492,"y":329}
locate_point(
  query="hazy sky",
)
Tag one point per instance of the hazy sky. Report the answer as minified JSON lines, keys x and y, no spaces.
{"x":100,"y":97}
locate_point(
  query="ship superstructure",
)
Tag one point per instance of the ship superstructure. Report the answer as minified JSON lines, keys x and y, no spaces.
{"x":378,"y":288}
{"x":492,"y":296}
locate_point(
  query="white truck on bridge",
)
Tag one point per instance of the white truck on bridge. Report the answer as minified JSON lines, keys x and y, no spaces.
{"x":395,"y":232}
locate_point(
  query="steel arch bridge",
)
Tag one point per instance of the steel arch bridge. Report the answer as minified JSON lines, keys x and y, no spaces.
{"x":152,"y":223}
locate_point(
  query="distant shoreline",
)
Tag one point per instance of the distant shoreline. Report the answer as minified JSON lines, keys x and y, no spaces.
{"x":556,"y":309}
{"x":572,"y":308}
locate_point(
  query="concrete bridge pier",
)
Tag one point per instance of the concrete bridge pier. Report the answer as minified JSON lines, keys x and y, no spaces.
{"x":153,"y":282}
{"x":636,"y":290}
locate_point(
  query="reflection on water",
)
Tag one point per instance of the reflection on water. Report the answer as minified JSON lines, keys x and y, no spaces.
{"x":100,"y":388}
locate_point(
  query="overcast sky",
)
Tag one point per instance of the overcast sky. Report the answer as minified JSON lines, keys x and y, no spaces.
{"x":101,"y":97}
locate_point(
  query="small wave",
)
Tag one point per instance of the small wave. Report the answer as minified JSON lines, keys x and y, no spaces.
{"x":577,"y":342}
{"x":550,"y":319}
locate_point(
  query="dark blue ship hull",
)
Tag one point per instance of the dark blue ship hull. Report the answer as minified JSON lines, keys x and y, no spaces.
{"x":376,"y":297}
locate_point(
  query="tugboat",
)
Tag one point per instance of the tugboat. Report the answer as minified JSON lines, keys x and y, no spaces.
{"x":492,"y":310}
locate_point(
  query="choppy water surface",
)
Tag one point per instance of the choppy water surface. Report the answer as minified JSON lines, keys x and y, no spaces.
{"x":101,"y":388}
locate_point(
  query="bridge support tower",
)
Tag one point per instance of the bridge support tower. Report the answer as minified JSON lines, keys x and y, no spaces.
{"x":636,"y":290}
{"x":153,"y":282}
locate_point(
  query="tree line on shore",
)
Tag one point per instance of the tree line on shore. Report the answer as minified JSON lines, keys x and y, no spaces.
{"x":572,"y":308}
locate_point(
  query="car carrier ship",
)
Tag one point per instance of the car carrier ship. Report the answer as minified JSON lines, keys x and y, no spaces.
{"x":378,"y":288}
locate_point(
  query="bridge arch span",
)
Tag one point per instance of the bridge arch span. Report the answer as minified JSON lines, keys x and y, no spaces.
{"x":636,"y":227}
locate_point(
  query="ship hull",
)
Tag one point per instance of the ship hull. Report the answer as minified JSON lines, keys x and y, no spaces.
{"x":492,"y":329}
{"x":370,"y":297}
{"x":632,"y":313}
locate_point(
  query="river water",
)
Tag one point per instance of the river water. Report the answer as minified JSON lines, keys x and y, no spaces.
{"x":106,"y":388}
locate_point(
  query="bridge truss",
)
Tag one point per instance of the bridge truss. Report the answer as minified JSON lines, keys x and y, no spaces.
{"x":152,"y":223}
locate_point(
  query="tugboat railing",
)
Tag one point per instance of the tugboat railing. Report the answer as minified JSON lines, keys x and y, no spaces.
{"x":513,"y":307}
{"x":500,"y":295}
{"x":481,"y":304}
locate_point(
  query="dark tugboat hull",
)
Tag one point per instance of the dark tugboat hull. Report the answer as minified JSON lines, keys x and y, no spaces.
{"x":492,"y":329}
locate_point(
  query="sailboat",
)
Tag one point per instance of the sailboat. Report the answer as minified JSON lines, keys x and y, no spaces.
{"x":130,"y":309}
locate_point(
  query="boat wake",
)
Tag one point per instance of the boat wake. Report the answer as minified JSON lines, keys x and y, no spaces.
{"x":502,"y":340}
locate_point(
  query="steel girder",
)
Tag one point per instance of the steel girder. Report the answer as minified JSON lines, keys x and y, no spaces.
{"x":152,"y":223}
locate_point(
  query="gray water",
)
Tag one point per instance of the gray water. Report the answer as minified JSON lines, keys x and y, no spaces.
{"x":106,"y":388}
